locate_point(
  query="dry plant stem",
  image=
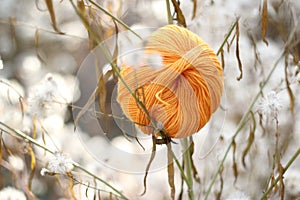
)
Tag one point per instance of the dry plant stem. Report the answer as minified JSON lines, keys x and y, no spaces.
{"x":101,"y":180}
{"x":188,"y":164}
{"x":19,"y":134}
{"x":293,"y":158}
{"x":20,"y":23}
{"x":170,"y":18}
{"x":242,"y":122}
{"x":227,"y":36}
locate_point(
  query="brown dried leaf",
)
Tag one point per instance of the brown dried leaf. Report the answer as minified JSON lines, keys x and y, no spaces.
{"x":34,"y":121}
{"x":1,"y":154}
{"x":21,"y":106}
{"x":194,"y":8}
{"x":191,"y":150}
{"x":85,"y":107}
{"x":250,"y":139}
{"x":281,"y":182}
{"x":86,"y":190}
{"x":116,"y":52}
{"x":149,"y":163}
{"x":171,"y":170}
{"x":94,"y":27}
{"x":264,"y":21}
{"x":234,"y":167}
{"x":287,"y":82}
{"x":36,"y":41}
{"x":257,"y":59}
{"x":12,"y":21}
{"x":182,"y":181}
{"x":71,"y":184}
{"x":229,"y":44}
{"x":219,"y":194}
{"x":102,"y":94}
{"x":222,"y":59}
{"x":32,"y":167}
{"x":237,"y":52}
{"x":179,"y":15}
{"x":52,"y":16}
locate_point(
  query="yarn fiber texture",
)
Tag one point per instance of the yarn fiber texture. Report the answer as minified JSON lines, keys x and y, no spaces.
{"x":181,"y":95}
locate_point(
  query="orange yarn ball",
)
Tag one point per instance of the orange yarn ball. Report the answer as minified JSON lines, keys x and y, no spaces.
{"x":183,"y":94}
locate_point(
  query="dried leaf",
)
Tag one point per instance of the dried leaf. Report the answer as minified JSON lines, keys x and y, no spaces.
{"x":136,"y":138}
{"x":234,"y":167}
{"x":171,"y":170}
{"x":34,"y":121}
{"x":32,"y":166}
{"x":281,"y":182}
{"x":191,"y":150}
{"x":229,"y":44}
{"x":250,"y":139}
{"x":36,"y":41}
{"x":102,"y":94}
{"x":1,"y":147}
{"x":222,"y":59}
{"x":149,"y":163}
{"x":182,"y":181}
{"x":71,"y":184}
{"x":21,"y":106}
{"x":219,"y":194}
{"x":194,"y":8}
{"x":52,"y":16}
{"x":86,"y":190}
{"x":179,"y":15}
{"x":99,"y":195}
{"x":81,"y":7}
{"x":287,"y":82}
{"x":237,"y":52}
{"x":264,"y":21}
{"x":257,"y":59}
{"x":116,"y":52}
{"x":85,"y":107}
{"x":12,"y":21}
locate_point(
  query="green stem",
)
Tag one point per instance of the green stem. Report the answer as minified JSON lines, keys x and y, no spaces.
{"x":16,"y":133}
{"x":293,"y":158}
{"x":242,"y":123}
{"x":188,"y":164}
{"x":228,"y":35}
{"x":99,"y":179}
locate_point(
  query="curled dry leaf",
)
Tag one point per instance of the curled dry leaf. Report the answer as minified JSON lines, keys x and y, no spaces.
{"x":237,"y":52}
{"x":264,"y":21}
{"x":50,"y":8}
{"x":250,"y":139}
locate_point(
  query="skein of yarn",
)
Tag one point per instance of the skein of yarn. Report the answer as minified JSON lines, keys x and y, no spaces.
{"x":182,"y":94}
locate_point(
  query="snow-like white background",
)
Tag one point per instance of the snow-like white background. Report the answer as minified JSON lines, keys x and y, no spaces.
{"x":50,"y":76}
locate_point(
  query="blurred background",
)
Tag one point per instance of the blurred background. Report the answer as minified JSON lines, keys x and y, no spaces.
{"x":45,"y":63}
